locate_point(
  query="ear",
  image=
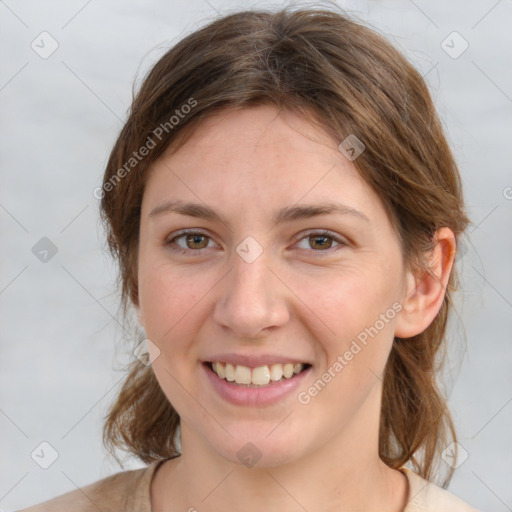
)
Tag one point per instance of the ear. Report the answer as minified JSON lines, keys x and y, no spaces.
{"x":424,"y":292}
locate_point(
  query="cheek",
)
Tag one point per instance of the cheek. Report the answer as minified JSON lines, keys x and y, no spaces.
{"x":170,"y":305}
{"x":355,"y":357}
{"x":356,"y":311}
{"x":348,"y":304}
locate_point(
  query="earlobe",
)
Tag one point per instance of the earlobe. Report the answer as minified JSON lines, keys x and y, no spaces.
{"x":425,"y":291}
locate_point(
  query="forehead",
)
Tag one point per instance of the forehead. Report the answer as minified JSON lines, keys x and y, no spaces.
{"x":256,"y":158}
{"x":235,"y":132}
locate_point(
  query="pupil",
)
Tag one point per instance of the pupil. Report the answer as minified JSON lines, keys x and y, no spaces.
{"x":323,"y":237}
{"x":195,"y":239}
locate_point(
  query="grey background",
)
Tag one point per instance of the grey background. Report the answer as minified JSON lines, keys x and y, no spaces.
{"x":60,"y":338}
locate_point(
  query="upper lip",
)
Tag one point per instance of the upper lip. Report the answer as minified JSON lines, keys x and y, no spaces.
{"x":254,"y":360}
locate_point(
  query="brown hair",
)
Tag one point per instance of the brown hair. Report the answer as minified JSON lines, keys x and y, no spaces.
{"x":346,"y":77}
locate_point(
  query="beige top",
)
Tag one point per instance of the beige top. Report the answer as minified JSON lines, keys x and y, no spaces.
{"x":129,"y":491}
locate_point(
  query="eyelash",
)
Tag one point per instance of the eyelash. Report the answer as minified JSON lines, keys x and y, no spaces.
{"x":320,"y":233}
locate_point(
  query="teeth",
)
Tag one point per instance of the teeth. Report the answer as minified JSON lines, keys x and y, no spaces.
{"x":229,"y":371}
{"x":219,"y":370}
{"x":242,"y":374}
{"x":260,"y":376}
{"x":276,"y":372}
{"x":288,"y":370}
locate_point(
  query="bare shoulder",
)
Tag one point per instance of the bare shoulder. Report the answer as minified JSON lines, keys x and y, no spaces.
{"x":125,"y":490}
{"x":427,"y":497}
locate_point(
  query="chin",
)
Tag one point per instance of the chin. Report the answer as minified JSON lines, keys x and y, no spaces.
{"x":258,"y":451}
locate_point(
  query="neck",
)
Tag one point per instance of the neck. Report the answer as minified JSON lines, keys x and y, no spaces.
{"x":343,"y":474}
{"x":303,"y":486}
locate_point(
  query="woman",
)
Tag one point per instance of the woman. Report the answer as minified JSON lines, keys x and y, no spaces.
{"x":285,"y":210}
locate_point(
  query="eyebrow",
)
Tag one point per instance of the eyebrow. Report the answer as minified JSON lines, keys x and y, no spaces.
{"x":285,"y":214}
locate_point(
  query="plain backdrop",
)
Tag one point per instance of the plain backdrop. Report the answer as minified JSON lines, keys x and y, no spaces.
{"x":66,"y":76}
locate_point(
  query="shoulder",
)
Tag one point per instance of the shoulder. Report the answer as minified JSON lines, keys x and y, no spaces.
{"x":126,"y":491}
{"x":424,"y":496}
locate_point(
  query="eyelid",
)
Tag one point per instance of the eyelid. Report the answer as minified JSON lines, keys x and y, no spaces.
{"x":187,"y":231}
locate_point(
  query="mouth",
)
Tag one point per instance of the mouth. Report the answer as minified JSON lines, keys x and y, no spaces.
{"x":257,"y":377}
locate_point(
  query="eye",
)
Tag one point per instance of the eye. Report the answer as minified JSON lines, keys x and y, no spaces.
{"x":191,"y":241}
{"x":186,"y":242}
{"x":322,"y":241}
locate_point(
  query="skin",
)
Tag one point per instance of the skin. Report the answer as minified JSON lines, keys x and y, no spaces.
{"x":298,"y":297}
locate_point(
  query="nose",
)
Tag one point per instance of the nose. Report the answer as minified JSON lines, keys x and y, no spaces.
{"x":252,"y":300}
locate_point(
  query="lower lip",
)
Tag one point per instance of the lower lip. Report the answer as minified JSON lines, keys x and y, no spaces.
{"x":266,"y":395}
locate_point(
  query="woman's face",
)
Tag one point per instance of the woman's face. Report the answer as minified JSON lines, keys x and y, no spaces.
{"x":258,"y":284}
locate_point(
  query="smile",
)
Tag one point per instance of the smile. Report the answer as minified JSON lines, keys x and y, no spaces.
{"x":259,"y":376}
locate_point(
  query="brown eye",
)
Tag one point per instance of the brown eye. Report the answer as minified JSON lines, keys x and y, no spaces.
{"x":320,"y":241}
{"x":189,"y":242}
{"x":196,"y":241}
